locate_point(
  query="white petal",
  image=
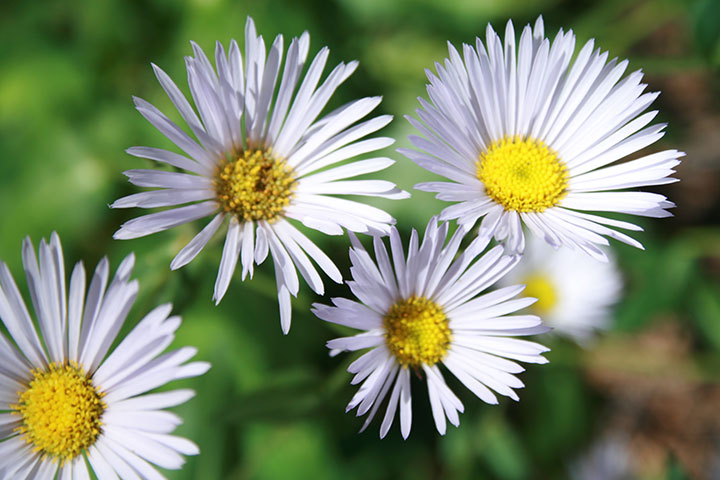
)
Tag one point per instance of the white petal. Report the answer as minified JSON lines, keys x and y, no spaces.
{"x":231,"y":252}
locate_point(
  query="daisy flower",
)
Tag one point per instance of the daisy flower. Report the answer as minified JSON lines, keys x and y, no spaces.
{"x":260,"y":158}
{"x":65,"y":396}
{"x":529,"y":137}
{"x":575,"y":293}
{"x":424,"y":310}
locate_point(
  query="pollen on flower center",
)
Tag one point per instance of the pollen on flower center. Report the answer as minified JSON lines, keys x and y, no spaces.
{"x":540,"y":287}
{"x":255,"y":186}
{"x":61,"y":411}
{"x":417,"y":332}
{"x":523,"y":175}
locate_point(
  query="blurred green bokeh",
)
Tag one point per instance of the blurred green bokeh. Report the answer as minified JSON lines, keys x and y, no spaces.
{"x":273,"y":406}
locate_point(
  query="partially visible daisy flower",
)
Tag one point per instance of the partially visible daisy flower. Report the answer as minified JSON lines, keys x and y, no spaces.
{"x":528,"y":138}
{"x":425,"y":310}
{"x":575,"y":293}
{"x":259,"y":159}
{"x":67,"y":398}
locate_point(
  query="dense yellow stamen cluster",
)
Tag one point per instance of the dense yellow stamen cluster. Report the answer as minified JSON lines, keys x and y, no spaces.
{"x":417,"y":332}
{"x":255,"y":186}
{"x":523,"y":175}
{"x":540,"y":287}
{"x":61,"y":410}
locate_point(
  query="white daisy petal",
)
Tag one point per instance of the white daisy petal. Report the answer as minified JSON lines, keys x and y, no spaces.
{"x":161,"y":422}
{"x":16,"y":456}
{"x":295,"y":60}
{"x":291,"y":133}
{"x":110,"y":460}
{"x":340,"y":148}
{"x":190,"y":251}
{"x":230,"y":255}
{"x":346,"y":171}
{"x":172,"y":132}
{"x":116,"y":305}
{"x":163,"y":198}
{"x":128,"y":464}
{"x":480,"y":390}
{"x":148,"y":339}
{"x":300,"y":260}
{"x":12,"y":367}
{"x":348,"y":313}
{"x":171,"y":158}
{"x":179,"y":100}
{"x":355,"y":343}
{"x":163,"y":179}
{"x":368,"y":362}
{"x":341,"y":119}
{"x":43,"y":292}
{"x":8,"y":422}
{"x":154,"y":401}
{"x":158,"y":222}
{"x":436,"y":407}
{"x":323,"y":261}
{"x":152,"y":451}
{"x":158,"y":372}
{"x":370,"y":390}
{"x":80,"y":470}
{"x":100,"y":466}
{"x":405,"y":406}
{"x":392,"y":404}
{"x":17,"y":320}
{"x":451,"y":404}
{"x":383,"y":392}
{"x":247,"y":249}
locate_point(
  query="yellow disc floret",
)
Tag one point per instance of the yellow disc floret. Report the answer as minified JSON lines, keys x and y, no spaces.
{"x":417,"y":332}
{"x":61,"y":410}
{"x":523,"y":175}
{"x":255,"y":186}
{"x":540,"y":287}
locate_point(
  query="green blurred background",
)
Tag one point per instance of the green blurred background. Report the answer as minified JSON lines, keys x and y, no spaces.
{"x":272,"y":406}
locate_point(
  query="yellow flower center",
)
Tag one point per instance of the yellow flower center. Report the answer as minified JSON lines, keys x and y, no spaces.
{"x":255,"y":186}
{"x":540,"y":287}
{"x":523,"y":175}
{"x":61,"y":410}
{"x":417,"y":332}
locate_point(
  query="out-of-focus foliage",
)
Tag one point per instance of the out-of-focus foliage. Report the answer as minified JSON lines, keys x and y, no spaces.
{"x":272,"y":406}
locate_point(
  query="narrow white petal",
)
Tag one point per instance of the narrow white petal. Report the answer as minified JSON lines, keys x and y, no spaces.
{"x":190,"y":251}
{"x":405,"y":402}
{"x":158,"y":222}
{"x":231,"y":252}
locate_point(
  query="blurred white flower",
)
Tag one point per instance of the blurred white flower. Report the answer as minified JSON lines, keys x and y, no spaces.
{"x":526,"y":138}
{"x":69,"y":398}
{"x":423,"y":310}
{"x":260,"y":159}
{"x":575,"y":293}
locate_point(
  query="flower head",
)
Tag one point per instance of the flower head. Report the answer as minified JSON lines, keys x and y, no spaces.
{"x":69,"y":397}
{"x":574,"y":292}
{"x":529,"y":137}
{"x":425,"y":310}
{"x":260,"y":158}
